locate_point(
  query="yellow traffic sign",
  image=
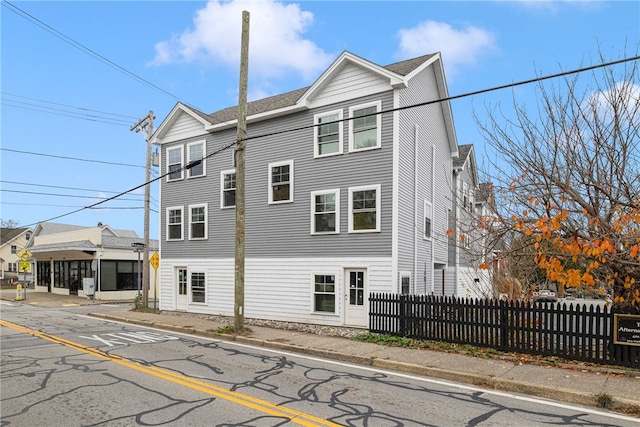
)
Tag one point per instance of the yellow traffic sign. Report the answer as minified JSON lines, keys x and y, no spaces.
{"x":24,"y":254}
{"x":25,"y":266}
{"x":154,"y":260}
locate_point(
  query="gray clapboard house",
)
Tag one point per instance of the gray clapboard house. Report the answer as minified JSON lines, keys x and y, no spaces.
{"x":334,"y":211}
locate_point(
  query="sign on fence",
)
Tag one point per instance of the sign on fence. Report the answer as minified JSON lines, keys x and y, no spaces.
{"x":626,"y":329}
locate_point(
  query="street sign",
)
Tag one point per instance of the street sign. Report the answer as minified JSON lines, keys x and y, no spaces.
{"x":25,"y":266}
{"x":154,"y":260}
{"x":24,"y":254}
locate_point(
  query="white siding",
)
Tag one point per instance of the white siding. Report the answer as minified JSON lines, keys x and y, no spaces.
{"x":276,"y":289}
{"x":350,"y":82}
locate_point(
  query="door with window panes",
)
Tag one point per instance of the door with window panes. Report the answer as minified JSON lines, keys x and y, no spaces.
{"x":182,"y":296}
{"x":356,"y":299}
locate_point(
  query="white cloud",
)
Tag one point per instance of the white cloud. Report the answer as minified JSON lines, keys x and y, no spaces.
{"x":459,"y":47}
{"x":276,"y":39}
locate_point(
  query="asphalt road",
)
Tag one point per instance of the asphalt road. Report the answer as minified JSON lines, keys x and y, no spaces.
{"x":60,"y":367}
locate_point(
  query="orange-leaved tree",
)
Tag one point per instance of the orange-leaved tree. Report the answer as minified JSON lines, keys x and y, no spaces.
{"x":572,"y":185}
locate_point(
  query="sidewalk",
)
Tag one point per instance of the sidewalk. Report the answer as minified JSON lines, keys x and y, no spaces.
{"x":572,"y":383}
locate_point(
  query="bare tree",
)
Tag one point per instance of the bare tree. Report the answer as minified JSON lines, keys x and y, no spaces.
{"x":11,"y":223}
{"x":567,"y":179}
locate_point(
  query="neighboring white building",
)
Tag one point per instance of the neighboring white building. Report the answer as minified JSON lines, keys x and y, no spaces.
{"x":12,"y":240}
{"x":67,"y":255}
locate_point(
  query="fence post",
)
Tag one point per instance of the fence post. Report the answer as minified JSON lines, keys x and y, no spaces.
{"x":504,"y":320}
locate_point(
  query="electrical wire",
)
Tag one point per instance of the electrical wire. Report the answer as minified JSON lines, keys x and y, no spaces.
{"x":71,"y":158}
{"x":467,"y":94}
{"x":12,"y":7}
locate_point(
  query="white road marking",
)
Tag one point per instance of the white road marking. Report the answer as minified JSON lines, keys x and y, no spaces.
{"x":397,"y":374}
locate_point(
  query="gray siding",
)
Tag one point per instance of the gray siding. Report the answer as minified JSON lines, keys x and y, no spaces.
{"x":432,"y":132}
{"x":283,"y":230}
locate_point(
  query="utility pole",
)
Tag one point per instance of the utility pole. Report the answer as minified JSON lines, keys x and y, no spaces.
{"x":238,"y":309}
{"x":146,"y":124}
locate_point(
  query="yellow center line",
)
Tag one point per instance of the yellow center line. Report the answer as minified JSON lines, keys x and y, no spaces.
{"x":242,"y":399}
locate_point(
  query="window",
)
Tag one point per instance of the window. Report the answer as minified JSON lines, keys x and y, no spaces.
{"x":465,"y":195}
{"x":114,"y":275}
{"x":14,"y":249}
{"x":198,"y":221}
{"x":195,"y":151}
{"x":174,"y":223}
{"x":327,"y":135}
{"x":27,"y":235}
{"x":405,"y":283}
{"x":281,"y":182}
{"x":427,"y":219}
{"x":364,"y":129}
{"x":324,"y":293}
{"x":182,"y":281}
{"x":325,"y":212}
{"x":198,"y":288}
{"x":13,"y":266}
{"x":364,"y":209}
{"x":228,"y":188}
{"x":174,"y":163}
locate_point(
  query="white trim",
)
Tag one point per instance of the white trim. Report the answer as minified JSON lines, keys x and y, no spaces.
{"x":270,"y":188}
{"x":395,"y":187}
{"x":378,"y":213}
{"x":336,"y":192}
{"x":181,"y":148}
{"x":336,"y":289}
{"x":175,"y":208}
{"x":204,"y":161}
{"x":427,"y":203}
{"x":206,"y":221}
{"x":172,"y":117}
{"x":316,"y":127}
{"x":189,"y":284}
{"x":378,"y":105}
{"x":222,"y":190}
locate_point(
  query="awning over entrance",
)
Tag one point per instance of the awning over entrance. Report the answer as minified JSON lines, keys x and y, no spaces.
{"x":64,"y":250}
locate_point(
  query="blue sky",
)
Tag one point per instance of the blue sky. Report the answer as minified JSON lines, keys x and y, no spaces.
{"x":57,"y":98}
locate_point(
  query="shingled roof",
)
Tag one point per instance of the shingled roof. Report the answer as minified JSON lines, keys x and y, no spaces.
{"x":8,"y":234}
{"x":463,"y":153}
{"x":289,"y":99}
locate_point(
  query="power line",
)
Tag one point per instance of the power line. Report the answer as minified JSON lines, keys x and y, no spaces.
{"x":4,"y":190}
{"x":199,"y":161}
{"x":83,"y":48}
{"x":72,"y":206}
{"x":71,"y":158}
{"x":451,"y":98}
{"x":71,"y":115}
{"x":70,"y":106}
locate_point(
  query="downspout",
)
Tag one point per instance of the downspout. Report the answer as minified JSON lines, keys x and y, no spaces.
{"x":416,"y":213}
{"x":456,"y":250}
{"x":433,"y":213}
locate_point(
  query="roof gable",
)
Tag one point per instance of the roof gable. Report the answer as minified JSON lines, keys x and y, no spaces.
{"x":189,"y":121}
{"x":9,"y":234}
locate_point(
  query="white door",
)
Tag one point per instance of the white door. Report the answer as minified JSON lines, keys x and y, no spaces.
{"x":356,"y":300}
{"x":182,"y":297}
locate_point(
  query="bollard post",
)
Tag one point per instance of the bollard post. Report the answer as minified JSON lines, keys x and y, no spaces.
{"x":19,"y":292}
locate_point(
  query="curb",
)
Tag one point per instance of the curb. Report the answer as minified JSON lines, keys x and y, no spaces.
{"x":625,"y":406}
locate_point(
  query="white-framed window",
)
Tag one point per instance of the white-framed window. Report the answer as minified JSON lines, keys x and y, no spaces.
{"x":174,"y":223}
{"x":12,"y":267}
{"x":324,"y":293}
{"x":14,"y":249}
{"x":325,"y":212}
{"x":198,"y":222}
{"x":198,"y":287}
{"x":181,"y":278}
{"x":405,"y":283}
{"x":364,"y":126}
{"x":196,"y":151}
{"x":428,"y":220}
{"x":327,"y":134}
{"x":174,"y":163}
{"x":364,"y":209}
{"x":228,"y":188}
{"x":465,"y":195}
{"x":281,"y":182}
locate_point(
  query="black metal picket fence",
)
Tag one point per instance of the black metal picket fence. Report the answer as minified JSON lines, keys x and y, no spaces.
{"x":571,"y":331}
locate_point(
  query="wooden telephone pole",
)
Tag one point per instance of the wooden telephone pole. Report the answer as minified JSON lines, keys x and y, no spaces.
{"x":146,"y":124}
{"x":238,"y":309}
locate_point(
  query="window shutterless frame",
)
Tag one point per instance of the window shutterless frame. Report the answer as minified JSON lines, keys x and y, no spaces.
{"x":228,"y":189}
{"x":364,"y":127}
{"x":174,"y":163}
{"x":364,"y":209}
{"x":281,"y":182}
{"x":196,"y":151}
{"x":325,"y":212}
{"x":327,"y":134}
{"x":174,"y":223}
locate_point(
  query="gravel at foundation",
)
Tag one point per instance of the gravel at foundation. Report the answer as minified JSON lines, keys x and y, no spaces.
{"x":333,"y":331}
